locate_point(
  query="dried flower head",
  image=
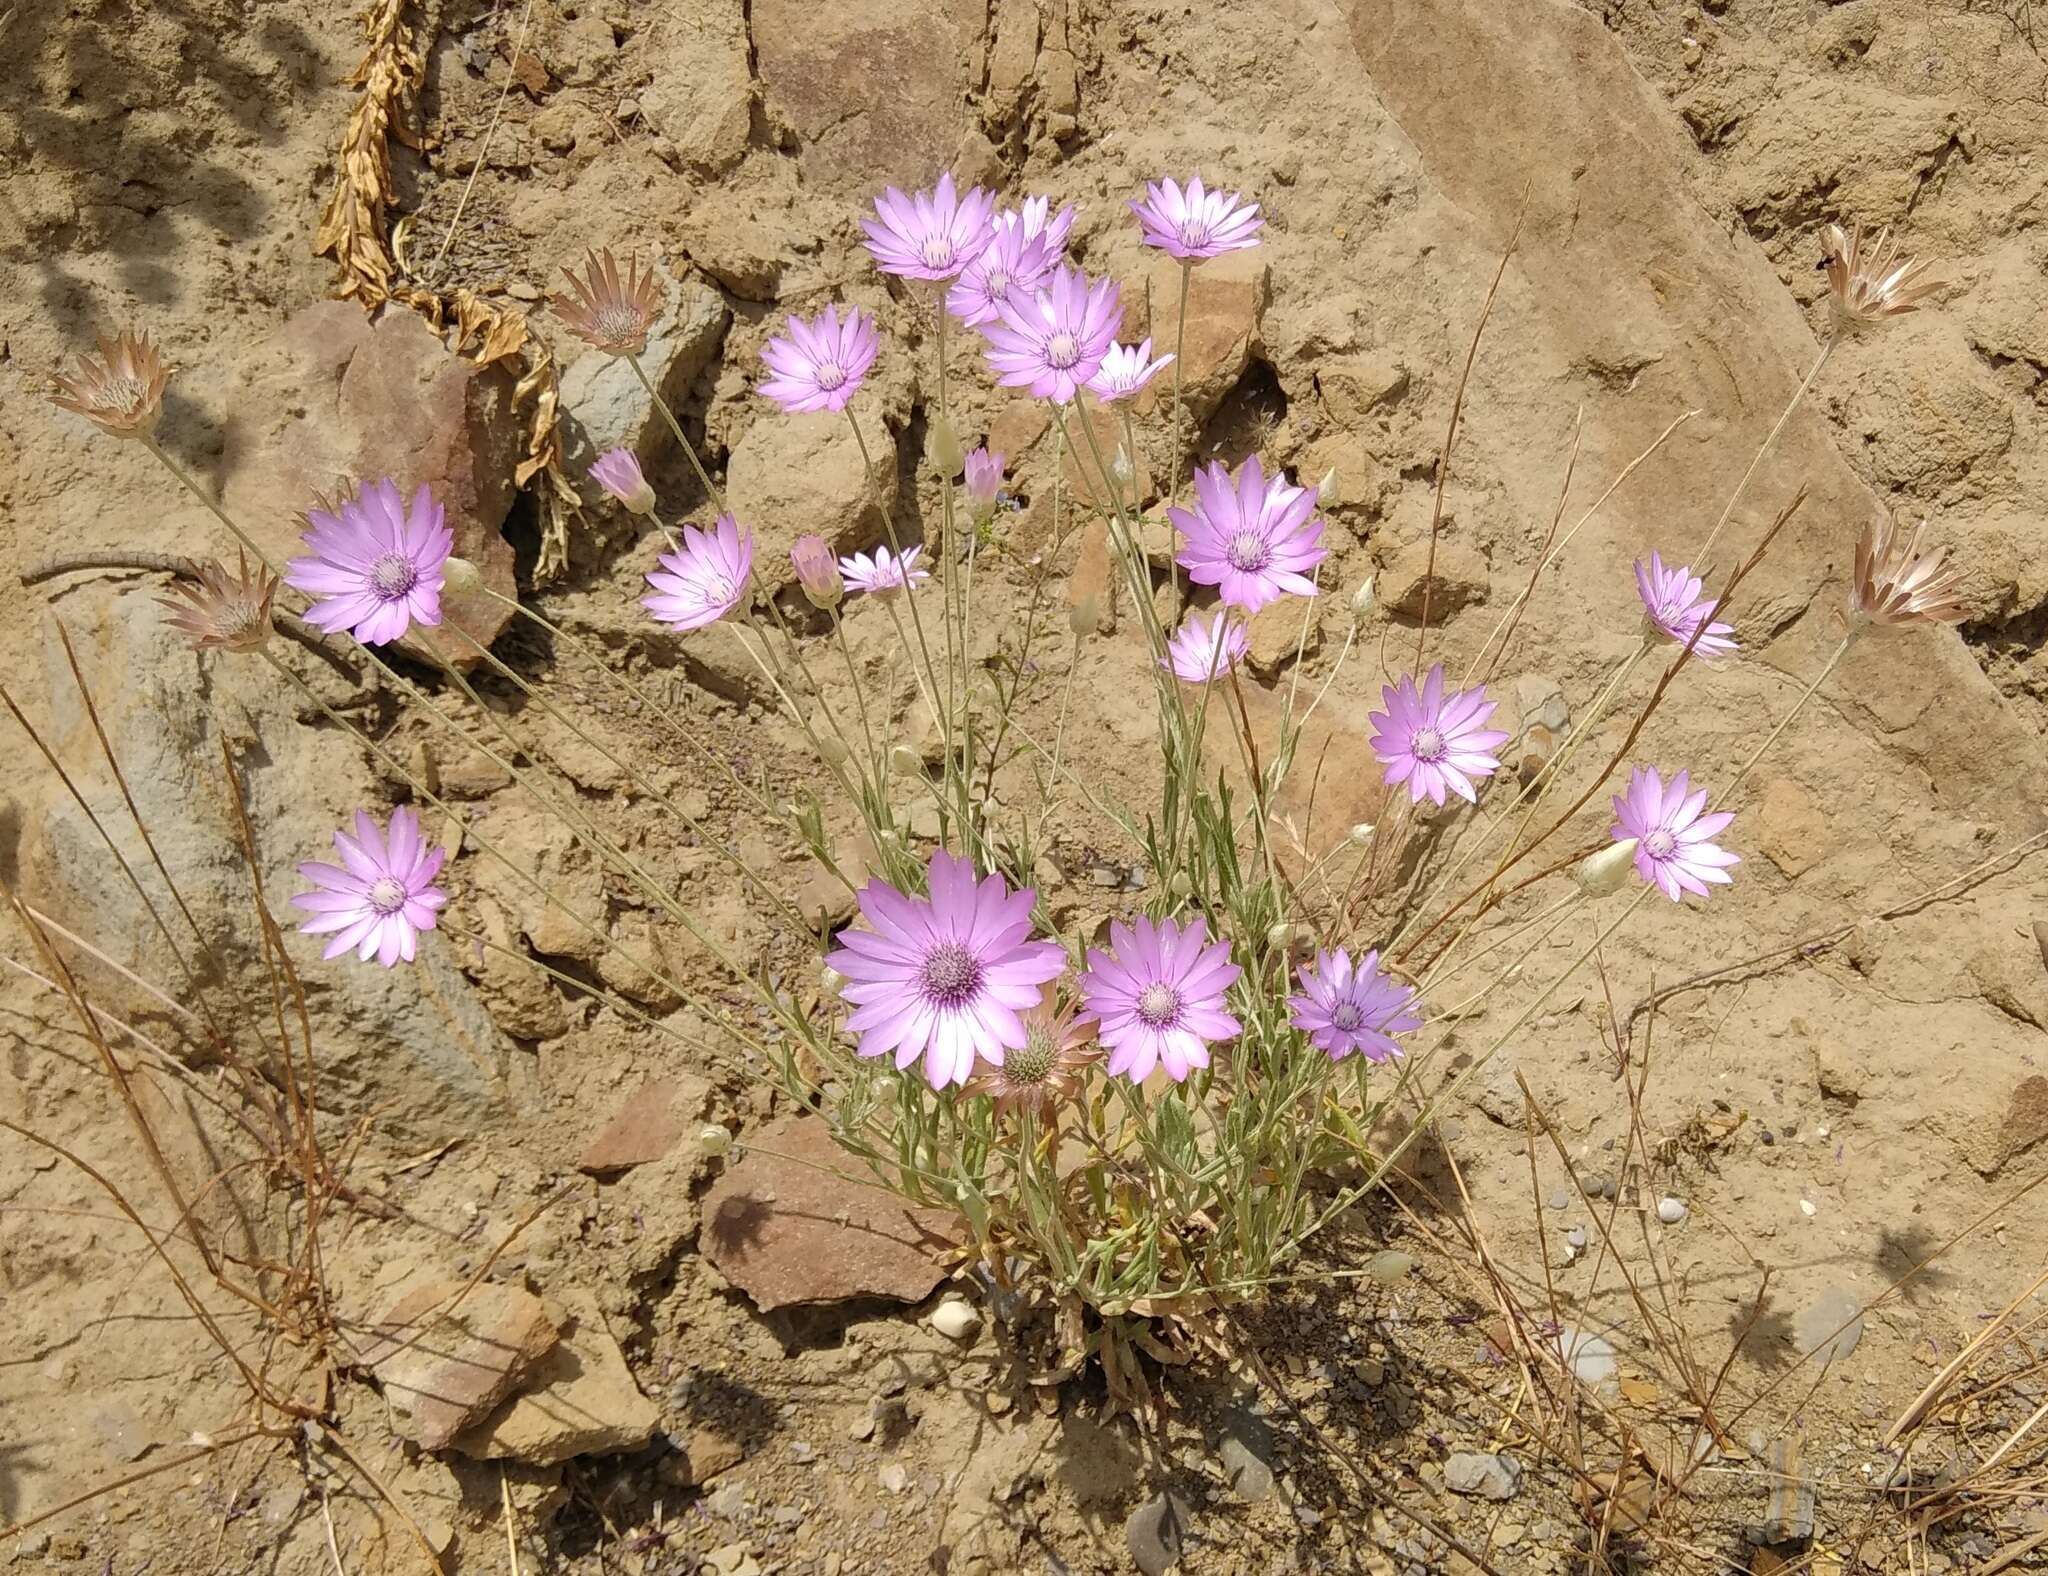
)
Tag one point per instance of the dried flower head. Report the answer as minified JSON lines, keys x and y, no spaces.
{"x":1869,"y":284}
{"x":1046,"y":1070}
{"x":120,"y":391}
{"x":223,"y":612}
{"x":607,"y":309}
{"x":1896,"y":583}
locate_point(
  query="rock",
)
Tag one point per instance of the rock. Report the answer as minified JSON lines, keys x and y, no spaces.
{"x":642,"y":965}
{"x":956,"y":1318}
{"x":790,"y":475}
{"x":604,"y":406}
{"x":1226,"y":302}
{"x":1560,"y":1198}
{"x":702,"y":95}
{"x":787,"y":1227}
{"x":1830,"y":1326}
{"x":1246,"y":1455}
{"x":701,"y":1458}
{"x":647,"y":1125}
{"x":739,"y":238}
{"x":580,"y":1401}
{"x":1789,"y":1518}
{"x":1093,"y":585}
{"x":1485,"y":1475}
{"x":1791,"y":827}
{"x":1155,"y":1531}
{"x":1281,"y":630}
{"x":1991,"y":1147}
{"x":1352,"y":387}
{"x":1590,"y":1357}
{"x":444,"y":1368}
{"x":1671,"y":1210}
{"x":333,"y":399}
{"x":1498,"y":1095}
{"x":1459,"y":577}
{"x":894,"y":1477}
{"x":1084,"y":483}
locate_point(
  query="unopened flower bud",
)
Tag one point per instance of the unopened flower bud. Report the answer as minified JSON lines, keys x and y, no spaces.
{"x":1120,"y":467}
{"x":904,"y":761}
{"x":1281,"y":937}
{"x":459,"y":574}
{"x":984,"y":481}
{"x":1084,"y":617}
{"x":830,"y":980}
{"x":713,"y":1139}
{"x":1326,"y":489}
{"x":1180,"y":886}
{"x":617,"y":471}
{"x":833,"y":750}
{"x":817,"y":571}
{"x":1363,"y":600}
{"x":1607,"y":871}
{"x":942,"y":449}
{"x":1361,"y":834}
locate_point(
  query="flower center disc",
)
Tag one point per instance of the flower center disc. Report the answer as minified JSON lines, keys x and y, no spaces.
{"x":387,"y":894}
{"x":618,"y":323}
{"x":716,"y":590}
{"x":830,"y":375}
{"x":1428,"y":745}
{"x":1063,"y":349}
{"x":1033,"y":1062}
{"x":1194,"y":232}
{"x":937,"y":252}
{"x":1346,"y":1016}
{"x":393,"y":575}
{"x":951,"y":974}
{"x":997,"y":282}
{"x":1158,"y":1004}
{"x":1660,"y":844}
{"x":1248,"y":552}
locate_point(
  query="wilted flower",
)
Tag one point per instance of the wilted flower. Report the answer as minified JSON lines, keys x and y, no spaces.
{"x":223,"y":612}
{"x":929,"y":235}
{"x":1433,"y":742}
{"x":1195,"y":224}
{"x":817,"y":571}
{"x":381,"y":895}
{"x":1206,"y":648}
{"x":120,"y":391}
{"x":882,"y":573}
{"x":820,"y":365}
{"x":944,"y":977}
{"x":1253,"y":540}
{"x":1013,"y":260}
{"x":1674,"y":604}
{"x":1045,"y":1071}
{"x":1157,"y":996}
{"x":1052,"y":341}
{"x":1125,"y":369}
{"x":617,"y":471}
{"x":376,"y":567}
{"x":706,"y":580}
{"x":984,"y":480}
{"x":1869,"y":285}
{"x":607,"y":309}
{"x":1342,"y":1009}
{"x":1672,"y":851}
{"x":1898,"y":584}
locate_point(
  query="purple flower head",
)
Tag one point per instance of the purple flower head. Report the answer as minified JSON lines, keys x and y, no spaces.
{"x":1342,"y":1009}
{"x":1255,"y":540}
{"x":819,"y":365}
{"x":1037,"y":218}
{"x":381,"y":895}
{"x":1125,"y":369}
{"x":1206,"y":648}
{"x":944,"y":977}
{"x":375,"y":567}
{"x":1671,"y":836}
{"x":1013,"y":261}
{"x":1157,"y":996}
{"x":706,"y":580}
{"x":1195,"y":224}
{"x":1433,"y":742}
{"x":984,"y":477}
{"x":617,"y":471}
{"x":1053,"y":341}
{"x":882,"y":574}
{"x":1673,"y":604}
{"x":817,"y":571}
{"x":929,"y":235}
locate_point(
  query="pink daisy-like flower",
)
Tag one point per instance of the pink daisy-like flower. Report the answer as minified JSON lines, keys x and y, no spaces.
{"x":1052,"y":341}
{"x":1037,"y":218}
{"x":1125,"y":369}
{"x":381,"y":895}
{"x":820,"y":364}
{"x":984,"y":473}
{"x":929,"y":235}
{"x":1157,"y":996}
{"x":1344,"y":1009}
{"x":706,"y":580}
{"x":882,"y":573}
{"x":1671,"y":836}
{"x":944,"y":977}
{"x":375,"y":568}
{"x":1195,"y":224}
{"x":618,"y":472}
{"x":1433,"y":742}
{"x":1012,"y":261}
{"x":1674,"y":605}
{"x":1206,"y":648}
{"x":1253,"y":540}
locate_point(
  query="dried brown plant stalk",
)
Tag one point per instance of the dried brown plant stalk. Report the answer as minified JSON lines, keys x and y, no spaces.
{"x":352,"y":226}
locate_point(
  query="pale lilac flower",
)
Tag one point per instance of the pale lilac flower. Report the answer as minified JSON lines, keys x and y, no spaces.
{"x":1254,"y":540}
{"x":1344,"y":1009}
{"x":1433,"y":742}
{"x":1206,"y":648}
{"x":947,"y":976}
{"x":1195,"y":224}
{"x":376,"y":567}
{"x":820,"y":365}
{"x":984,"y":478}
{"x":882,"y":574}
{"x":1037,"y":218}
{"x":1157,"y":996}
{"x":1013,"y":261}
{"x":1673,"y":604}
{"x":1672,"y":851}
{"x":617,"y":471}
{"x":706,"y":580}
{"x":929,"y":235}
{"x":1053,"y":341}
{"x":817,"y":571}
{"x":381,"y":895}
{"x":1125,"y":369}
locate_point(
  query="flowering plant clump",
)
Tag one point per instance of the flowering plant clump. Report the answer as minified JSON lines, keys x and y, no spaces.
{"x":1137,"y":1112}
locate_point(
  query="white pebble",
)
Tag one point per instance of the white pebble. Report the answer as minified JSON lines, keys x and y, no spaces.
{"x":956,"y":1318}
{"x":1670,"y":1210}
{"x":1806,"y":1206}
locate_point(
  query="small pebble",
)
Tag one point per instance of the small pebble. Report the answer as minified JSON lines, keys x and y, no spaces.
{"x":1806,"y":1207}
{"x":894,"y":1478}
{"x":1576,"y":1237}
{"x":1768,"y":1136}
{"x":1671,"y":1210}
{"x":1560,"y":1199}
{"x":520,"y":290}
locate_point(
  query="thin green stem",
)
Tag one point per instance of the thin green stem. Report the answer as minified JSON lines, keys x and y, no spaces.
{"x":1835,"y":661}
{"x":711,"y":489}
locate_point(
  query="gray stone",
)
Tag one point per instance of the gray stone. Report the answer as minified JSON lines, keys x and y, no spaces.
{"x":604,"y":406}
{"x":1246,"y":1454}
{"x":1155,"y":1532}
{"x":1671,"y":1210}
{"x":1485,"y":1475}
{"x":1830,"y":1326}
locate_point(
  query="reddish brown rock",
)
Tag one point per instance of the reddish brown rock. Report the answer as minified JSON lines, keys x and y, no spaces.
{"x":581,"y":1401}
{"x":444,"y":1364}
{"x":1226,"y":301}
{"x":799,"y":1220}
{"x":646,"y":1126}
